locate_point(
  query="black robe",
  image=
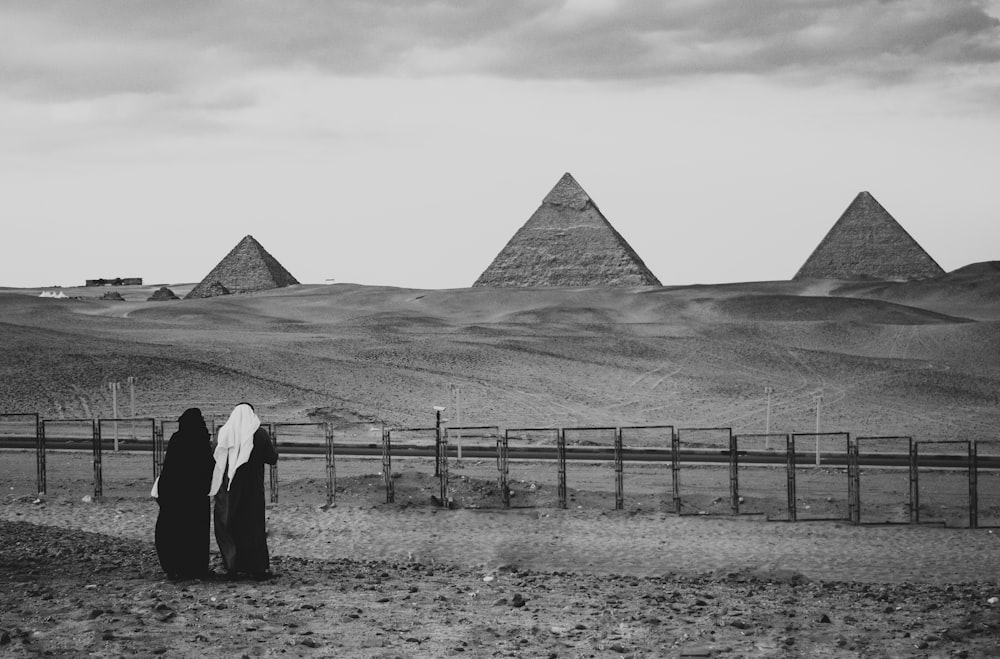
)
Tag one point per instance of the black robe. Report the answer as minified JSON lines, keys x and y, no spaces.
{"x":239,"y":512}
{"x":184,"y":521}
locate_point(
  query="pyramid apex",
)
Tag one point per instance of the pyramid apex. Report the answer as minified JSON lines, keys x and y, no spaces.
{"x":567,"y":192}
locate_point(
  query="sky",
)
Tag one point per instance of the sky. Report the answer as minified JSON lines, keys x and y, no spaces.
{"x":404,"y":142}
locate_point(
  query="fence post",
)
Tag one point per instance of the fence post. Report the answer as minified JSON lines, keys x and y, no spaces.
{"x":273,"y":469}
{"x":390,"y":491}
{"x":331,"y":467}
{"x":95,"y":428}
{"x":503,"y":445}
{"x":973,"y":485}
{"x":619,"y":469}
{"x":734,"y":477}
{"x":915,"y":483}
{"x":675,"y":468}
{"x":854,"y":481}
{"x":561,"y":466}
{"x":790,"y":474}
{"x":40,"y":455}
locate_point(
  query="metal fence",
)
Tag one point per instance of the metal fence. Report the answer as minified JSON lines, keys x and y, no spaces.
{"x":685,"y":471}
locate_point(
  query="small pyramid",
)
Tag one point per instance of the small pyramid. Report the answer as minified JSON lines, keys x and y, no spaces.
{"x":247,"y":268}
{"x":567,"y":242}
{"x":868,"y":243}
{"x":161,"y":294}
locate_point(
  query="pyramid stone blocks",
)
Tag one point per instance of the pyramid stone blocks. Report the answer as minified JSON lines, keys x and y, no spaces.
{"x":247,"y":268}
{"x":567,"y":242}
{"x":867,"y":243}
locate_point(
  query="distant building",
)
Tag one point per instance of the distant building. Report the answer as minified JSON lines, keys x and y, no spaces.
{"x":117,"y":281}
{"x":567,"y":242}
{"x":868,"y":243}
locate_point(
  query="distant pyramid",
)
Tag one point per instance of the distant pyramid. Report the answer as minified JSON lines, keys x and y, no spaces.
{"x":248,"y":267}
{"x":868,"y":243}
{"x":567,"y":242}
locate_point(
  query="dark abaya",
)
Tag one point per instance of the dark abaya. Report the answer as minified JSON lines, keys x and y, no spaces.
{"x":183,"y":524}
{"x":239,"y":512}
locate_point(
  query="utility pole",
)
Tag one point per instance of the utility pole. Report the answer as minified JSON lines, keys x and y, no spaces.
{"x":767,"y":422}
{"x":456,"y":396}
{"x":819,"y":404}
{"x":114,"y":410}
{"x":131,"y":396}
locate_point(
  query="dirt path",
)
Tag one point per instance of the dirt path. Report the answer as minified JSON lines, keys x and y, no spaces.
{"x":585,"y":542}
{"x":412,"y":582}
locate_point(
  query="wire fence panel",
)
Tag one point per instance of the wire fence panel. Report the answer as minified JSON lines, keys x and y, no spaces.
{"x":18,"y":474}
{"x":705,"y":479}
{"x":68,"y":457}
{"x":590,"y":467}
{"x":360,"y":475}
{"x":415,"y":474}
{"x":885,"y":481}
{"x":822,"y":481}
{"x":647,"y":456}
{"x":474,"y":478}
{"x":763,"y":475}
{"x":988,"y":483}
{"x":301,"y":475}
{"x":532,"y":476}
{"x":943,"y":475}
{"x":129,"y":472}
{"x":19,"y":467}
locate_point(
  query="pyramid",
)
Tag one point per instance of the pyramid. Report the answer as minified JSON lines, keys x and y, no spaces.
{"x":567,"y":242}
{"x":247,"y":268}
{"x":868,"y":243}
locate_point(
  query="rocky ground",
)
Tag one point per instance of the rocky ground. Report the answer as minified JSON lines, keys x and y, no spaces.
{"x":420,"y":582}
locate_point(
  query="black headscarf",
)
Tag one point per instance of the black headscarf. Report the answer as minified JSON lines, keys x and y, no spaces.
{"x":188,"y":463}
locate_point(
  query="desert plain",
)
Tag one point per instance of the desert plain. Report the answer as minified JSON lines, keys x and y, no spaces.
{"x":366,"y":578}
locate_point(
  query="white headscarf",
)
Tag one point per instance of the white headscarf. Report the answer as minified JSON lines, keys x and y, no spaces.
{"x":235,"y":444}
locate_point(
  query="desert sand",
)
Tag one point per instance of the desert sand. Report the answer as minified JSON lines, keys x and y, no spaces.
{"x":366,"y":578}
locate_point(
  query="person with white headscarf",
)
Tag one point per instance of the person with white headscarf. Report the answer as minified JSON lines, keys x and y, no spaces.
{"x":244,"y":447}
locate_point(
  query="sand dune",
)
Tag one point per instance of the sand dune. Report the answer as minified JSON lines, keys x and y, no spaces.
{"x":919,"y":358}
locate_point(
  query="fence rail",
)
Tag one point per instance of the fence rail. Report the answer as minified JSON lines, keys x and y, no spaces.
{"x":702,"y":471}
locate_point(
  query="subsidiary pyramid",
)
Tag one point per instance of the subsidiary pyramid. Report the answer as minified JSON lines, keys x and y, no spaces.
{"x":567,"y":242}
{"x":247,"y":268}
{"x":868,"y":243}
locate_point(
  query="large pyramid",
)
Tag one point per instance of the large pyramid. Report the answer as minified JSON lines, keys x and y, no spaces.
{"x":567,"y":242}
{"x":868,"y":243}
{"x":247,"y":268}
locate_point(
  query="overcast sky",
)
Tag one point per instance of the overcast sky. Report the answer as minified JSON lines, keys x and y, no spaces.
{"x":403,"y":142}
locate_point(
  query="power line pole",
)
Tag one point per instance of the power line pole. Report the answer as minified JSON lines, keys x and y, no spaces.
{"x":767,"y":422}
{"x":456,"y":396}
{"x":819,"y":404}
{"x":114,"y":410}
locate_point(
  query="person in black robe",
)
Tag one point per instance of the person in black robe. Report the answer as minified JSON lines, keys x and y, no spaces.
{"x":243,"y":449}
{"x":182,"y":526}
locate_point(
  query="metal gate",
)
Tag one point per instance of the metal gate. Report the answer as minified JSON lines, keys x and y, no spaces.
{"x":887,"y":498}
{"x":822,"y":476}
{"x":765,"y":475}
{"x":475,"y":472}
{"x":531,"y":472}
{"x":986,"y":468}
{"x":593,"y":484}
{"x":648,"y":452}
{"x":67,"y":434}
{"x":705,"y":480}
{"x":944,"y":483}
{"x":299,"y":475}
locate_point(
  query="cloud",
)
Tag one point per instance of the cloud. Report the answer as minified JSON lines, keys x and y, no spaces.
{"x":72,"y":49}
